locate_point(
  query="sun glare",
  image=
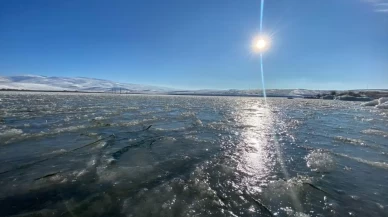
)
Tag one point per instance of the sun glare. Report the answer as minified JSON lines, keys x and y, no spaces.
{"x":260,"y":44}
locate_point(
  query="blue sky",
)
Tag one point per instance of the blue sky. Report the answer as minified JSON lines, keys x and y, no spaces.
{"x":331,"y":44}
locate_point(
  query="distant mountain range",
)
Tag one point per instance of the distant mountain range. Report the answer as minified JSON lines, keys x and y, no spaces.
{"x":44,"y":83}
{"x":253,"y":92}
{"x":36,"y":82}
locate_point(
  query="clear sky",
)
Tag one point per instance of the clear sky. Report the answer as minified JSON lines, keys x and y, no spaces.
{"x":195,"y":44}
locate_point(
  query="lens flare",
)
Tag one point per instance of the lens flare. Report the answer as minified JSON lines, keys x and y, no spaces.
{"x":260,"y":44}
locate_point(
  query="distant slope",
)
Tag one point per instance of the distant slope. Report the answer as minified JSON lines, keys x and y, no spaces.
{"x":253,"y":92}
{"x":44,"y":83}
{"x":36,"y":82}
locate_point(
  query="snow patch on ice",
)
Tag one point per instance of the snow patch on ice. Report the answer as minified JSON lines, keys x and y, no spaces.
{"x":320,"y":161}
{"x":11,"y":133}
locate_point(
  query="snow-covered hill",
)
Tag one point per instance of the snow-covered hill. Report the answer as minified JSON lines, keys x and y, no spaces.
{"x":253,"y":92}
{"x":36,"y":82}
{"x":44,"y":83}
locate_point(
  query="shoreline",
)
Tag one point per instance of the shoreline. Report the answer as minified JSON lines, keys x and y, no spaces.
{"x":373,"y":94}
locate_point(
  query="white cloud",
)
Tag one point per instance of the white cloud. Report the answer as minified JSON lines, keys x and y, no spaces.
{"x":382,"y":10}
{"x":380,"y":6}
{"x":372,"y":1}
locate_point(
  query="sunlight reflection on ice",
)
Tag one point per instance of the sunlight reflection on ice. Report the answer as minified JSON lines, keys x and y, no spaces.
{"x":257,"y":160}
{"x":259,"y":151}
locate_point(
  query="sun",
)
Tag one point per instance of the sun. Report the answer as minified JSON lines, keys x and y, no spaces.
{"x":260,"y":44}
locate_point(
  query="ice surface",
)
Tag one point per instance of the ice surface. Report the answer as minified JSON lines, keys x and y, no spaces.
{"x":383,"y":106}
{"x":320,"y":161}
